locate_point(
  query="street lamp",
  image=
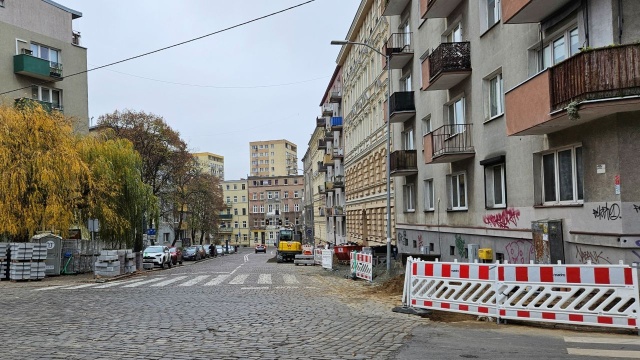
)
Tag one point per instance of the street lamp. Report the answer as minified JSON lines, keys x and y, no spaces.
{"x":387,"y":57}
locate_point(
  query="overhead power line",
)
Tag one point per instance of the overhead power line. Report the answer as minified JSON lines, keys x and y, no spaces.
{"x":174,"y":45}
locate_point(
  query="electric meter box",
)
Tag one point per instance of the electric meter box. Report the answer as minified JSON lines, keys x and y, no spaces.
{"x":485,"y":254}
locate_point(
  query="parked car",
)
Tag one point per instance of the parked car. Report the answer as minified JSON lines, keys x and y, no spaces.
{"x":203,"y":252}
{"x":261,"y":248}
{"x":206,"y":250}
{"x":176,"y":255}
{"x":220,"y":250}
{"x":191,"y":253}
{"x":158,"y":255}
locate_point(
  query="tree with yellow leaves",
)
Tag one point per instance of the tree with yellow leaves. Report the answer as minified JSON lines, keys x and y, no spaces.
{"x":41,"y":172}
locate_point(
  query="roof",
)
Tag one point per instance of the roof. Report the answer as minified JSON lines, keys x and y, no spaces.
{"x":74,"y":14}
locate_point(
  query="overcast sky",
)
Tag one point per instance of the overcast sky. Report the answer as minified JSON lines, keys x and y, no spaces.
{"x":191,"y":86}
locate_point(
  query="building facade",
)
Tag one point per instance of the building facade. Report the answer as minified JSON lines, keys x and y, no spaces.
{"x":522,"y":127}
{"x":42,"y":56}
{"x":364,"y":94}
{"x":273,"y":158}
{"x":234,"y":220}
{"x":211,"y":164}
{"x":274,"y":202}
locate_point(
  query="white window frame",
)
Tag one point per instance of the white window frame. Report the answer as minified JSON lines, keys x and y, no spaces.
{"x":457,"y":105}
{"x":296,"y":207}
{"x":495,"y":11}
{"x":286,"y":207}
{"x":255,"y":209}
{"x":261,"y":209}
{"x":408,"y":196}
{"x":426,"y":125}
{"x":408,"y":142}
{"x":43,"y":89}
{"x":574,"y":176}
{"x":490,"y":182}
{"x":546,"y":57}
{"x":496,"y":92}
{"x":295,"y":194}
{"x":429,"y":194}
{"x":453,"y":182}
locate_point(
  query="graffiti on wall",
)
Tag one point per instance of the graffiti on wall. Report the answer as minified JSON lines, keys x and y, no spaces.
{"x":420,"y":243}
{"x":519,"y":251}
{"x":504,"y":219}
{"x":460,"y":246}
{"x":607,"y":212}
{"x":636,"y":208}
{"x":402,"y":238}
{"x":596,"y":257}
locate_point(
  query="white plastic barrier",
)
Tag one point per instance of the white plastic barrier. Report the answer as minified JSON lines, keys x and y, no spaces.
{"x":327,"y":259}
{"x":317,"y":256}
{"x":363,"y":265}
{"x":595,"y":295}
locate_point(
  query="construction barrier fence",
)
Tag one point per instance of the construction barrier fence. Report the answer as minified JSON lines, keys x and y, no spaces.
{"x":362,"y":265}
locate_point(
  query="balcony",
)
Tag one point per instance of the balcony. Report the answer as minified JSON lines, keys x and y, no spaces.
{"x":328,"y":185}
{"x":336,"y":122}
{"x":328,"y":160}
{"x":449,"y":64}
{"x":395,"y":7}
{"x":321,"y":167}
{"x":432,"y":9}
{"x":529,"y":11}
{"x":322,"y":144}
{"x":335,"y":96}
{"x":225,"y":216}
{"x":399,"y":50}
{"x":327,"y":109}
{"x":337,"y":153}
{"x":403,"y":106}
{"x":47,"y":106}
{"x":321,"y":189}
{"x":328,"y":135}
{"x":229,"y":204}
{"x":403,"y":163}
{"x":448,"y":143}
{"x":592,"y":84}
{"x":321,"y":122}
{"x":25,"y":64}
{"x":338,"y":211}
{"x":225,"y":230}
{"x":338,"y":182}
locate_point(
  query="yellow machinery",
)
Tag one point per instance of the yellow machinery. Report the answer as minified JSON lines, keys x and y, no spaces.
{"x":287,"y":247}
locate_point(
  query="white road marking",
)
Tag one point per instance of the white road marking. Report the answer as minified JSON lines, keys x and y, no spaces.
{"x":255,"y":288}
{"x":170,"y":281}
{"x":286,"y":287}
{"x":116,"y":283}
{"x":290,"y":279}
{"x":80,"y":286}
{"x":240,"y":279}
{"x":195,"y":280}
{"x":50,"y":288}
{"x":605,"y":353}
{"x":602,"y":340}
{"x":264,"y":279}
{"x":217,"y":280}
{"x":136,"y":284}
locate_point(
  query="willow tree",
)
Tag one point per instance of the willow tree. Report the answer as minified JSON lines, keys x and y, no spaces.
{"x":204,"y":204}
{"x":116,"y":194}
{"x":41,"y":173}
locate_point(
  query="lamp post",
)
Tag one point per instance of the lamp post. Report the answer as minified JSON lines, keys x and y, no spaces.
{"x":388,"y":58}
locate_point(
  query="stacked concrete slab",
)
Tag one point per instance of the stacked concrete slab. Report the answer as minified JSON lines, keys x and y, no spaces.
{"x":38,"y":266}
{"x":108,"y":263}
{"x":4,"y":248}
{"x":20,"y":255}
{"x":127,"y":261}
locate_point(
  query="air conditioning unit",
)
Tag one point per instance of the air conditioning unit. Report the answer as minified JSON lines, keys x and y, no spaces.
{"x":26,"y":51}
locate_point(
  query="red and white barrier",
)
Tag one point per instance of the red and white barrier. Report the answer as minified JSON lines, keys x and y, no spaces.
{"x":317,"y":256}
{"x":595,"y":295}
{"x":363,"y":264}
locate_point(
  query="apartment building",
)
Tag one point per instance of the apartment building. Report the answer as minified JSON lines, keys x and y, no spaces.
{"x":331,"y":168}
{"x":234,"y":220}
{"x":273,"y":158}
{"x":274,"y":202}
{"x":314,"y":177}
{"x":210,"y":163}
{"x":364,"y":94}
{"x":48,"y":63}
{"x":523,"y":127}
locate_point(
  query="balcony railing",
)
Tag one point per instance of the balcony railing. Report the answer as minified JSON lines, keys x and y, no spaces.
{"x":449,"y":143}
{"x":327,"y":109}
{"x":321,"y":189}
{"x":322,"y":144}
{"x":75,"y":37}
{"x":336,"y":122}
{"x":403,"y":163}
{"x":35,"y":67}
{"x":338,"y":153}
{"x":328,"y":135}
{"x":449,"y":64}
{"x":328,"y":159}
{"x":395,"y":7}
{"x":28,"y":102}
{"x":321,"y":122}
{"x":399,"y":50}
{"x":338,"y":181}
{"x":437,"y":8}
{"x":225,"y":216}
{"x":335,"y":96}
{"x":321,"y":167}
{"x":328,"y":185}
{"x":402,"y":105}
{"x":225,"y":230}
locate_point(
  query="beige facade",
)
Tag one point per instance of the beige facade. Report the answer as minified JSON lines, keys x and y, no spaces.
{"x":211,"y":163}
{"x":273,"y":158}
{"x":364,"y":96}
{"x":42,"y":55}
{"x":314,"y":173}
{"x":234,"y":226}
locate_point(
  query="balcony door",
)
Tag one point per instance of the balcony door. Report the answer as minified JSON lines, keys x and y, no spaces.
{"x":455,"y":35}
{"x":405,"y":82}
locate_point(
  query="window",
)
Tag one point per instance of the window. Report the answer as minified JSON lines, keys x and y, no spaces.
{"x":457,"y":192}
{"x":496,"y":96}
{"x":428,"y":195}
{"x":261,"y":209}
{"x":235,"y":199}
{"x":235,"y":187}
{"x":295,"y":194}
{"x":47,"y":53}
{"x":261,"y":196}
{"x":408,"y":191}
{"x":244,"y":198}
{"x":407,"y":139}
{"x":559,"y":48}
{"x":563,"y":176}
{"x":243,"y":186}
{"x":296,"y":207}
{"x":228,"y":187}
{"x":244,"y":211}
{"x":426,"y":125}
{"x":285,"y":194}
{"x":48,"y":95}
{"x":235,"y":212}
{"x":255,"y":196}
{"x":493,"y":12}
{"x":455,"y":34}
{"x":455,"y":114}
{"x":495,"y":186}
{"x":405,"y":83}
{"x":286,"y":207}
{"x":235,"y":224}
{"x":270,"y":208}
{"x":228,"y":199}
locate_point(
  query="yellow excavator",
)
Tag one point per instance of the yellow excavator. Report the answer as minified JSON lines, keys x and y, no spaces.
{"x":287,"y":247}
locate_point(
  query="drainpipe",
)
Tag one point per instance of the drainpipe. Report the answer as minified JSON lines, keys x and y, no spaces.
{"x":620,"y":21}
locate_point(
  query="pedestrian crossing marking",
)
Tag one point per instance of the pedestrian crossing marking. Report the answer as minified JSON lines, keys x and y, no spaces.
{"x":79,"y":286}
{"x":239,"y":280}
{"x":217,"y":280}
{"x":50,"y":288}
{"x":602,"y":340}
{"x":170,"y":281}
{"x":290,"y":279}
{"x":136,"y":284}
{"x":116,"y":283}
{"x":264,"y":279}
{"x":629,"y":354}
{"x":195,"y":280}
{"x":255,"y":288}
